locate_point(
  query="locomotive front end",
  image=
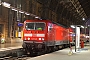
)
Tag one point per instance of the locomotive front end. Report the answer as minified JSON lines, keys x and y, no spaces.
{"x":34,"y":36}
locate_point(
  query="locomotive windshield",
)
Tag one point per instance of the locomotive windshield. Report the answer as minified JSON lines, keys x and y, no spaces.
{"x":35,"y":26}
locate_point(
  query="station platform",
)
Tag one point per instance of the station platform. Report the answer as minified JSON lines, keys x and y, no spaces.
{"x":14,"y":44}
{"x":81,"y":54}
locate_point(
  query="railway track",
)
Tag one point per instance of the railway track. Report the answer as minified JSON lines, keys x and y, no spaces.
{"x":15,"y":58}
{"x":15,"y":54}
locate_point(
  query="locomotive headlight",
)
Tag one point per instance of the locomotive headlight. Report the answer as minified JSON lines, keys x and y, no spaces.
{"x":25,"y":38}
{"x":39,"y":38}
{"x":42,"y":38}
{"x":28,"y":38}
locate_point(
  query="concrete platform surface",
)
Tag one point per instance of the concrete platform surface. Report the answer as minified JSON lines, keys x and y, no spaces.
{"x":15,"y":44}
{"x":82,"y":54}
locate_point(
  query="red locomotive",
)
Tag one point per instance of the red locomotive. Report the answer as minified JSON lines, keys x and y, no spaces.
{"x":44,"y":35}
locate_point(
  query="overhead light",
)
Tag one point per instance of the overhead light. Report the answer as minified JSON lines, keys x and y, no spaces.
{"x":27,"y":13}
{"x":0,"y":3}
{"x":6,"y":4}
{"x":36,"y":17}
{"x":21,"y":11}
{"x":72,"y":26}
{"x":82,"y":26}
{"x":88,"y":25}
{"x":13,"y":9}
{"x":83,"y":18}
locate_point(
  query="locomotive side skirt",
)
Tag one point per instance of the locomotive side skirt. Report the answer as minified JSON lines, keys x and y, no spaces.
{"x":53,"y":43}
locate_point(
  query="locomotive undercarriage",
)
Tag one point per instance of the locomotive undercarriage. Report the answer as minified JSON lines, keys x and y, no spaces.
{"x":35,"y":48}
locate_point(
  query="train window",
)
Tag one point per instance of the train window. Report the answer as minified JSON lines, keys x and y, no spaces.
{"x":29,"y":26}
{"x":39,"y":26}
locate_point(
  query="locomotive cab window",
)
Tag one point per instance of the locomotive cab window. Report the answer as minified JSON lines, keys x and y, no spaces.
{"x":35,"y":26}
{"x":39,"y":26}
{"x":29,"y":26}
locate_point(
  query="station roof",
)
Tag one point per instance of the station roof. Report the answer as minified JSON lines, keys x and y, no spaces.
{"x":71,"y":9}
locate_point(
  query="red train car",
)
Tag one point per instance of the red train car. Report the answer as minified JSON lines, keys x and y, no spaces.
{"x":44,"y":35}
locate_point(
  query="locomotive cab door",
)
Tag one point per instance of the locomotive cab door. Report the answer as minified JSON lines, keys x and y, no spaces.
{"x":51,"y":35}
